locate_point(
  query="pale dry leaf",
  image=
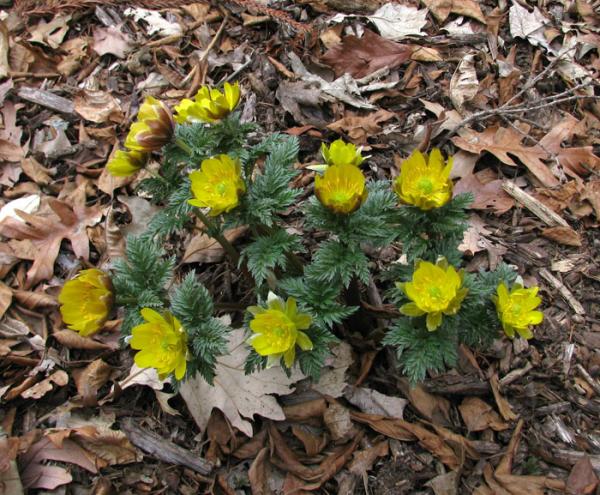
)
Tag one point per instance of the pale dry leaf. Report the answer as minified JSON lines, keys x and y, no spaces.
{"x":238,"y":395}
{"x":28,"y":204}
{"x":59,"y":378}
{"x":4,"y":46}
{"x":333,"y":378}
{"x":76,"y":51}
{"x":51,"y":33}
{"x":98,"y":106}
{"x":141,"y":211}
{"x":205,"y":249}
{"x":374,"y":402}
{"x":445,"y":484}
{"x":528,"y":25}
{"x":155,"y":22}
{"x":359,"y":128}
{"x":113,"y":41}
{"x":142,"y":376}
{"x":472,"y":240}
{"x":441,"y":9}
{"x":464,"y":84}
{"x":395,"y":21}
{"x":11,"y":328}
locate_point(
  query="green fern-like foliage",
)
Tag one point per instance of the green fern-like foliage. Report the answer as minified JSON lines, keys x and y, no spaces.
{"x":373,"y":222}
{"x":337,"y":263}
{"x":429,"y":234}
{"x":419,"y":350}
{"x":174,"y":216}
{"x":267,"y":252}
{"x":270,"y":192}
{"x":320,"y":299}
{"x":192,"y":304}
{"x":140,"y":279}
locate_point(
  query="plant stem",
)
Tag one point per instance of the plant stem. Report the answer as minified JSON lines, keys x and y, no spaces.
{"x":215,"y":233}
{"x":183,"y":146}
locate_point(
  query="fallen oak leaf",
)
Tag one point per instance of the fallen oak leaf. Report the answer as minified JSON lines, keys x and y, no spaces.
{"x":40,"y":389}
{"x":359,"y":128}
{"x":441,"y":9}
{"x":48,"y":231}
{"x":111,"y":40}
{"x":503,"y":142}
{"x":238,"y":395}
{"x":362,"y":56}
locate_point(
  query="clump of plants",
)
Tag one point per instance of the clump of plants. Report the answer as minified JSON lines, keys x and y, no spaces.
{"x":215,"y":173}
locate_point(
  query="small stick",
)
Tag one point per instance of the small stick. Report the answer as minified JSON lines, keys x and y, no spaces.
{"x":540,"y":210}
{"x":563,"y":290}
{"x":588,"y":378}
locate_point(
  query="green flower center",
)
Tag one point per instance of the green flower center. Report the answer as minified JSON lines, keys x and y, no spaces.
{"x":435,"y":292}
{"x":221,"y":188}
{"x":340,"y":196}
{"x":425,"y":185}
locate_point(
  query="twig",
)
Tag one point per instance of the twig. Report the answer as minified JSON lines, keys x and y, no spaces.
{"x":540,"y":210}
{"x":563,"y":290}
{"x":588,"y":378}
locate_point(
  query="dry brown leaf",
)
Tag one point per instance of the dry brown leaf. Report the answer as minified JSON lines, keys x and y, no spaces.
{"x":313,"y":443}
{"x":73,"y":340}
{"x":337,"y":420}
{"x":10,"y":152}
{"x":40,"y":389}
{"x":441,"y":9}
{"x":112,"y":40}
{"x":205,"y":249}
{"x":5,"y":298}
{"x":76,"y":51}
{"x":488,"y":196}
{"x":563,"y":235}
{"x":36,"y":172}
{"x":478,"y":415}
{"x":433,"y":407}
{"x":359,"y":128}
{"x":362,"y":56}
{"x":238,"y":395}
{"x":503,"y":405}
{"x":582,"y":480}
{"x":364,"y":459}
{"x":98,"y":106}
{"x":591,"y":192}
{"x":46,"y":232}
{"x":51,"y":33}
{"x":374,"y":402}
{"x":333,"y":378}
{"x":90,"y":379}
{"x":503,"y":142}
{"x":35,"y":300}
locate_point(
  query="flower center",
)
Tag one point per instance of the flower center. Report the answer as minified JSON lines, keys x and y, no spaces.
{"x":435,"y":293}
{"x":340,"y":196}
{"x":425,"y":185}
{"x":221,"y":188}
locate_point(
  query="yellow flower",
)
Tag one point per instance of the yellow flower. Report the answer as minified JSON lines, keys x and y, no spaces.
{"x":424,"y":182}
{"x":86,"y":301}
{"x":278,"y":329}
{"x":218,"y":184}
{"x":162,"y":343}
{"x":126,"y":163}
{"x":153,"y":128}
{"x":516,"y":309}
{"x":341,"y":188}
{"x":209,"y":105}
{"x":341,"y":153}
{"x":434,"y":290}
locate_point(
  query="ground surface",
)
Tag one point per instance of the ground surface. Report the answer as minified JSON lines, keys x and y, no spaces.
{"x":507,"y":88}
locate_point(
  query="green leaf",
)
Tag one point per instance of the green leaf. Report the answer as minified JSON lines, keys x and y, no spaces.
{"x":267,"y":252}
{"x":336,"y":263}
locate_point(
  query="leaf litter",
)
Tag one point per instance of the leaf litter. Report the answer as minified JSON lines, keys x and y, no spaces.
{"x":505,"y":83}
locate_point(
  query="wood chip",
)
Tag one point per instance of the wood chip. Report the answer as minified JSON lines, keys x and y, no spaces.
{"x":47,"y":99}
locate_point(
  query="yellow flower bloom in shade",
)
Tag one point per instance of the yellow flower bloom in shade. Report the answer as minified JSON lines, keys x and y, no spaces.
{"x":434,"y":290}
{"x":162,"y":343}
{"x":126,"y":163}
{"x":218,"y":184}
{"x":341,"y":153}
{"x":341,"y":188}
{"x":209,"y":105}
{"x":516,"y":309}
{"x":278,"y":329}
{"x":86,"y":301}
{"x":424,"y":182}
{"x":153,"y":128}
